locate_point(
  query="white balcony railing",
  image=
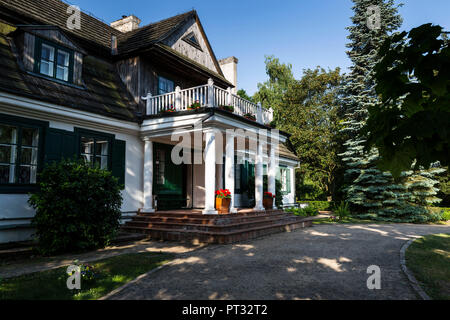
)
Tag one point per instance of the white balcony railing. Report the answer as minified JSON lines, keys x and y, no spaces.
{"x":207,"y":95}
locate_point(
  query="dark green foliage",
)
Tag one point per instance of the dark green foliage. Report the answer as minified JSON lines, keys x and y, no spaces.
{"x":77,"y":207}
{"x":342,"y":211}
{"x":319,"y":205}
{"x":308,"y":211}
{"x":411,"y":124}
{"x":370,"y":192}
{"x":243,"y":94}
{"x":444,"y":188}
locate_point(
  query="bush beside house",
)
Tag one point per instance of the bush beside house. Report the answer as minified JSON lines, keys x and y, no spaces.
{"x":77,"y":207}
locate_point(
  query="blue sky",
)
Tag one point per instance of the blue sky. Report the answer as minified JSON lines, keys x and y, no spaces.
{"x":305,"y":33}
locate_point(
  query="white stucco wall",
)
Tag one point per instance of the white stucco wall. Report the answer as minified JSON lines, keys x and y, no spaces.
{"x":14,"y":207}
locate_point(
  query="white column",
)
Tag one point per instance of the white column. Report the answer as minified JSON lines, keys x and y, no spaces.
{"x":259,"y":115}
{"x":259,"y":171}
{"x":292,"y":172}
{"x":178,"y":98}
{"x":148,"y":177}
{"x":211,"y":98}
{"x":229,"y":169}
{"x":271,"y":173}
{"x":210,"y":172}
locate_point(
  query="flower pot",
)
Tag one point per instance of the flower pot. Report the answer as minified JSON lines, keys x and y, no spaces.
{"x":268,"y":203}
{"x":223,"y":205}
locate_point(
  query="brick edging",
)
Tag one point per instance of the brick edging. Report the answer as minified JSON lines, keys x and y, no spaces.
{"x":412,"y":280}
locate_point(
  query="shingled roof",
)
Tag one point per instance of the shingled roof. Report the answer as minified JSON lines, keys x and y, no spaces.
{"x":103,"y":93}
{"x":94,"y":33}
{"x":153,"y":33}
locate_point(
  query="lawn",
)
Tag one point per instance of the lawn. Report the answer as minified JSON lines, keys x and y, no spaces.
{"x":51,"y":285}
{"x":429,"y":260}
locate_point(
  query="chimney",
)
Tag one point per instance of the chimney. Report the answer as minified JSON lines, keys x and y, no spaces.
{"x":126,"y":24}
{"x":229,"y":69}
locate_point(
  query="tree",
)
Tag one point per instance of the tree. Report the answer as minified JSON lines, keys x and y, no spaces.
{"x":271,"y":92}
{"x":411,"y":124}
{"x":370,"y":191}
{"x":309,"y":112}
{"x":243,"y":94}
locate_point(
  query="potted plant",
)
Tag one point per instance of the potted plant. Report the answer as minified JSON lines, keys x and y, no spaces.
{"x":250,"y":116}
{"x":227,"y":108}
{"x":268,"y":200}
{"x":196,"y":105}
{"x":223,"y":201}
{"x":170,"y":110}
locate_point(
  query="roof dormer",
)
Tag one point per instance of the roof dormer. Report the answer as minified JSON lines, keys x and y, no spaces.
{"x":46,"y":51}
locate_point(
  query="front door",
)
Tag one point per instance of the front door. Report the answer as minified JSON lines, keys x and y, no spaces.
{"x":169,"y":179}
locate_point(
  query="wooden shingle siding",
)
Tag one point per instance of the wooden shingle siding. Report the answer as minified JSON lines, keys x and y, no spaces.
{"x":176,"y":42}
{"x":77,"y":68}
{"x":28,"y":51}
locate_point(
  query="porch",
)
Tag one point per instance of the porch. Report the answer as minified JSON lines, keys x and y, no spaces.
{"x":186,"y":174}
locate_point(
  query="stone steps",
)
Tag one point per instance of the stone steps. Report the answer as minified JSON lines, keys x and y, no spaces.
{"x":196,"y":228}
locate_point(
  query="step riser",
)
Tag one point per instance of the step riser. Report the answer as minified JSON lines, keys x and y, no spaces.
{"x":162,"y":214}
{"x":177,"y":235}
{"x":209,"y":222}
{"x":212,"y":228}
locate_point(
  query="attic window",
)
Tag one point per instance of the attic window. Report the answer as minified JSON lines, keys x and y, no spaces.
{"x":192,"y":40}
{"x":53,"y":61}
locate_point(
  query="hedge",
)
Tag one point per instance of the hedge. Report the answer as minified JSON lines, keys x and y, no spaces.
{"x":319,"y":205}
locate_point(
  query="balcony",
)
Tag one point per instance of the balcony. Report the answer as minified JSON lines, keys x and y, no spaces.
{"x":209,"y":96}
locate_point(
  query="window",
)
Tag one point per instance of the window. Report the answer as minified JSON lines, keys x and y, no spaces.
{"x":54,"y":61}
{"x":95,"y":148}
{"x":165,"y":85}
{"x":285,"y":179}
{"x":192,"y":40}
{"x":20,"y":151}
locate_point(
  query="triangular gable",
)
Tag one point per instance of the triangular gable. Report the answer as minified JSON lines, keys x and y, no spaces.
{"x":54,"y":34}
{"x":190,"y":40}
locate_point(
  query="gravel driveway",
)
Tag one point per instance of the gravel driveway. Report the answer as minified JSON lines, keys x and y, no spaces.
{"x":322,"y":262}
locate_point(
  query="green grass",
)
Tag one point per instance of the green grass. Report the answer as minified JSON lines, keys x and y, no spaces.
{"x":51,"y":285}
{"x":429,"y":260}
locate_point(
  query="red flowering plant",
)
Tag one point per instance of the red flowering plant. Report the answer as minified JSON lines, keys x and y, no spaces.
{"x":269,"y":195}
{"x":170,"y":110}
{"x":250,"y":116}
{"x":195,"y":105}
{"x":223,"y":194}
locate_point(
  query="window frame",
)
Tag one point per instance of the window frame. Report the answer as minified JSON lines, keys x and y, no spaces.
{"x":20,"y":188}
{"x":57,"y":47}
{"x":159,"y":83}
{"x":287,"y":188}
{"x":80,"y":132}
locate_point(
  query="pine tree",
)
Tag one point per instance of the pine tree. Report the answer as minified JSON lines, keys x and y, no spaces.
{"x":370,"y":192}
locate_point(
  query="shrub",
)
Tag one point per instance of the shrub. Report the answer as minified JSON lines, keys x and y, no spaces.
{"x":303,"y":212}
{"x":445,"y":214}
{"x":77,"y":207}
{"x":342,"y":211}
{"x":319,"y":205}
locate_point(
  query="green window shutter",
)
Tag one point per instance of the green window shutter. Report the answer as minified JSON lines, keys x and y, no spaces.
{"x":118,"y":160}
{"x":278,"y":174}
{"x":59,"y":144}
